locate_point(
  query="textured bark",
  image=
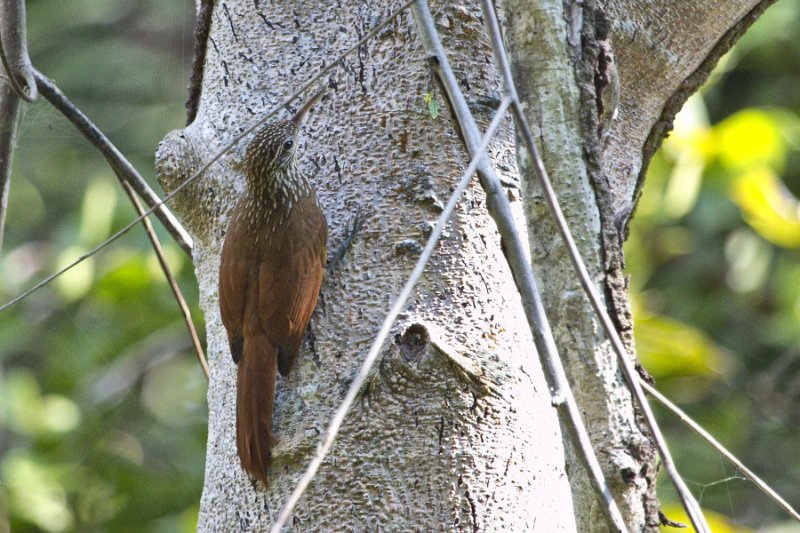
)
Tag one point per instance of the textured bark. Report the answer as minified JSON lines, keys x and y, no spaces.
{"x":553,"y":30}
{"x":455,"y":430}
{"x":663,"y":51}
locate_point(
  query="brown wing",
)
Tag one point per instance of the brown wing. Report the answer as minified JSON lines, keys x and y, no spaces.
{"x":233,"y":287}
{"x":289,"y":279}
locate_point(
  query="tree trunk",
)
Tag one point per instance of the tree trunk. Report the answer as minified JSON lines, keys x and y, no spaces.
{"x":455,"y":430}
{"x":663,"y":51}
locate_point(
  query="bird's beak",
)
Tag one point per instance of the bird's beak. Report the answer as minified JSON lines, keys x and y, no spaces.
{"x":301,"y":113}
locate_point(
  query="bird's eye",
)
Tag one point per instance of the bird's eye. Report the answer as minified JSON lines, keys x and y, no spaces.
{"x":288,"y":144}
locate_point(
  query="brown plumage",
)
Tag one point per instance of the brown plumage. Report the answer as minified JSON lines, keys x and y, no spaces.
{"x":270,"y":274}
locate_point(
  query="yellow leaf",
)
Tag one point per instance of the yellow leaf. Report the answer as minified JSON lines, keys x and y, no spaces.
{"x":768,"y":207}
{"x":750,"y":138}
{"x":718,"y":523}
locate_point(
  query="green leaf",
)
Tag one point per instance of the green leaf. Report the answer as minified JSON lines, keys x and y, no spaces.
{"x":433,"y":105}
{"x":31,"y":413}
{"x":671,"y":348}
{"x":36,"y":495}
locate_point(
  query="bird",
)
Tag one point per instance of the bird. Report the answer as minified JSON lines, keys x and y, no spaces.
{"x":271,"y":269}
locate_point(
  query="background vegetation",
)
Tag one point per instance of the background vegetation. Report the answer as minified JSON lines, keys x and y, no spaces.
{"x":102,"y":405}
{"x":715,"y":273}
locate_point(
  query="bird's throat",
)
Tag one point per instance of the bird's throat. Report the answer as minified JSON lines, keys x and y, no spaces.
{"x":275,"y":194}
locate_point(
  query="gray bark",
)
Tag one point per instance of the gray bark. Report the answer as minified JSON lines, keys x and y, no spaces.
{"x":455,"y":430}
{"x":663,"y":52}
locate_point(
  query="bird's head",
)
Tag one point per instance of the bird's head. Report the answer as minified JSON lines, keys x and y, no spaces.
{"x":273,"y":147}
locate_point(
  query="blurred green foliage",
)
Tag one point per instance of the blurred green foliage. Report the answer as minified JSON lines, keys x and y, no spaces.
{"x":102,"y":406}
{"x":714,"y":258}
{"x":102,"y":403}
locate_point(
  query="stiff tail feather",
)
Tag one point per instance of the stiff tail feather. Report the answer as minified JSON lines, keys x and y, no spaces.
{"x":255,"y":395}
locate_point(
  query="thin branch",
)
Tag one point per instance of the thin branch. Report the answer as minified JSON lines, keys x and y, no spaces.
{"x":500,"y":210}
{"x":133,"y":183}
{"x":124,"y":170}
{"x":213,"y":160}
{"x":173,"y":283}
{"x":21,"y":86}
{"x":697,"y":428}
{"x":10,"y":106}
{"x":14,"y":49}
{"x":690,"y":504}
{"x":360,"y":378}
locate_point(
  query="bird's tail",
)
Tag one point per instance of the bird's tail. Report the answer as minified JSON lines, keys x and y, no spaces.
{"x":255,"y":395}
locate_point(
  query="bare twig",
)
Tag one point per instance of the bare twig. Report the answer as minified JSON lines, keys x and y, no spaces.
{"x":132,"y":182}
{"x":10,"y":105}
{"x":690,"y":504}
{"x":211,"y":161}
{"x":500,"y":210}
{"x":697,"y":428}
{"x":359,"y":379}
{"x":14,"y":49}
{"x":21,"y":86}
{"x":124,"y":170}
{"x":173,"y":283}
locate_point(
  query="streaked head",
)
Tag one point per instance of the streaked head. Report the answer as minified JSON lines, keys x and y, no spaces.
{"x":273,"y":147}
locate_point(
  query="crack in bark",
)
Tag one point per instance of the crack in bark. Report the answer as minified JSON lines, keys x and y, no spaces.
{"x":473,"y":511}
{"x":201,"y":37}
{"x":230,"y":22}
